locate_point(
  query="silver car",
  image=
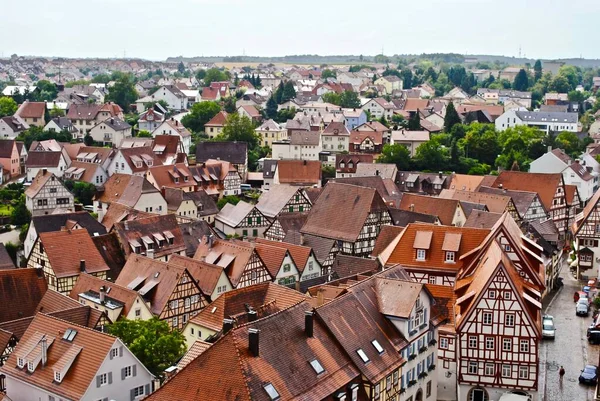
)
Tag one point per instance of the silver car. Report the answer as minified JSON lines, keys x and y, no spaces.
{"x":548,"y":329}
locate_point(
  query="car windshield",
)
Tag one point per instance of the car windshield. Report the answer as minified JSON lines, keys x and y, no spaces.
{"x":590,"y":369}
{"x":548,"y":326}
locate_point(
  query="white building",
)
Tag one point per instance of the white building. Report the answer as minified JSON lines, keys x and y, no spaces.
{"x":545,"y":121}
{"x":302,"y":145}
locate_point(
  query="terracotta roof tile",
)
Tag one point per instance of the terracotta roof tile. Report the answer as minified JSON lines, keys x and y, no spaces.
{"x":20,"y":292}
{"x":163,"y":225}
{"x":346,"y":265}
{"x":299,"y":253}
{"x":206,"y":275}
{"x":445,"y":209}
{"x":544,"y":184}
{"x":299,"y":172}
{"x":482,"y":219}
{"x":32,"y":110}
{"x":89,"y":284}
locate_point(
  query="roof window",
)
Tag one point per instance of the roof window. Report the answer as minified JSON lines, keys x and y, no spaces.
{"x":316,"y":365}
{"x":377,"y":346}
{"x":273,"y":394}
{"x":362,"y":355}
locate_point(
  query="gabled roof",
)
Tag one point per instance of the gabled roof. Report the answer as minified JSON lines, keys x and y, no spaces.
{"x":495,"y":203}
{"x":336,"y":128}
{"x":403,"y":218}
{"x":193,"y":232}
{"x":87,"y":351}
{"x":41,"y":178}
{"x":291,"y":221}
{"x":482,"y":219}
{"x":346,"y":266}
{"x":125,"y":189}
{"x":90,"y":286}
{"x":54,"y":222}
{"x":115,"y":124}
{"x":164,"y":225}
{"x":206,"y":275}
{"x":465,"y":182}
{"x":234,"y":215}
{"x":173,"y":176}
{"x":272,"y":201}
{"x":445,"y":209}
{"x":118,"y":212}
{"x":81,"y":248}
{"x":298,"y":253}
{"x":233,"y":152}
{"x":20,"y":292}
{"x":521,"y":199}
{"x":581,"y":218}
{"x":357,"y":137}
{"x":31,"y":110}
{"x":325,"y":219}
{"x":83,"y":111}
{"x":143,"y":154}
{"x":218,"y":120}
{"x":299,"y":172}
{"x":6,"y":148}
{"x":43,"y":159}
{"x":544,"y":184}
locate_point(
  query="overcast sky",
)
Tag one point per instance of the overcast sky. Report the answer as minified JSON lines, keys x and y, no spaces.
{"x":158,"y":29}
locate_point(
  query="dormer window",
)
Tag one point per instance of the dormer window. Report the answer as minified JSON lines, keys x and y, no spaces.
{"x":185,"y":178}
{"x":421,"y":254}
{"x":342,"y":165}
{"x":20,"y":362}
{"x":176,"y":180}
{"x":57,"y":377}
{"x":30,"y":367}
{"x":138,"y":164}
{"x":450,"y":257}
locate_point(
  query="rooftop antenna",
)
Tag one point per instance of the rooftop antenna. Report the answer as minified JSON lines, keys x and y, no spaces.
{"x":519,"y":51}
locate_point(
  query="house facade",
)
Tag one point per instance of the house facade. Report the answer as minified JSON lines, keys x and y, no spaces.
{"x":47,"y":193}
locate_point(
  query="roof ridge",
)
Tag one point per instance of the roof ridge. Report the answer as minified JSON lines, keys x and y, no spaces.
{"x":48,"y":315}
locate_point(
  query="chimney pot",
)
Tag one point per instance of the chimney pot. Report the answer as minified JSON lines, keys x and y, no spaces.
{"x":412,"y":207}
{"x":252,"y":315}
{"x":44,"y":344}
{"x":227,"y":325}
{"x":82,"y":265}
{"x":308,"y":323}
{"x":253,"y":343}
{"x":102,"y":295}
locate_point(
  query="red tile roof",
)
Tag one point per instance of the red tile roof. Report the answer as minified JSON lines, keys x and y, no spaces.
{"x":218,"y":120}
{"x":20,"y":292}
{"x":299,"y":172}
{"x":544,"y":184}
{"x":32,"y":110}
{"x":445,"y":209}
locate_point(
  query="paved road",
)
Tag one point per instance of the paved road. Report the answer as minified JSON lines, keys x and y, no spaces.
{"x":11,"y":236}
{"x":570,"y":348}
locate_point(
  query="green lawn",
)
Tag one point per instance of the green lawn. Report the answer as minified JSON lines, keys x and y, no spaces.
{"x":5,"y":210}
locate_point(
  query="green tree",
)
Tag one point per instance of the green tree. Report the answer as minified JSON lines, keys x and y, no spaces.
{"x":101,"y":79}
{"x":144,"y":134}
{"x":349,"y":100}
{"x":153,"y":342}
{"x":414,"y":122}
{"x":82,"y":191}
{"x":568,"y":141}
{"x":407,"y":78}
{"x":285,"y":114}
{"x":200,"y":114}
{"x":396,"y":154}
{"x":56,"y":112}
{"x":452,"y":118}
{"x":234,"y":200}
{"x":123,"y":93}
{"x":181,"y":67}
{"x":47,"y":91}
{"x":328,"y":74}
{"x":271,"y":108}
{"x":521,"y":82}
{"x":333,"y":98}
{"x":560,"y":84}
{"x":20,"y":214}
{"x":240,"y":128}
{"x":200,"y":74}
{"x":432,"y":155}
{"x":88,"y":140}
{"x":481,"y":143}
{"x":278,"y":95}
{"x":288,"y":92}
{"x":537,"y":70}
{"x":214,"y":75}
{"x":399,"y":121}
{"x":8,"y":106}
{"x":229,"y":104}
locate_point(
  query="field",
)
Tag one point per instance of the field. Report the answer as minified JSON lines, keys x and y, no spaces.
{"x":5,"y":210}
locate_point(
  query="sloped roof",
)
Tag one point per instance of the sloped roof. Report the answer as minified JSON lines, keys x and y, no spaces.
{"x":148,"y":226}
{"x":233,"y":215}
{"x":482,"y":219}
{"x":43,"y":159}
{"x":5,"y":259}
{"x":346,"y":265}
{"x":32,"y":110}
{"x":521,"y":199}
{"x":298,"y":253}
{"x":20,"y":292}
{"x":495,"y":203}
{"x":125,"y":189}
{"x":445,"y":209}
{"x":87,"y":283}
{"x":206,"y":275}
{"x":54,"y":222}
{"x":325,"y":219}
{"x":272,"y":201}
{"x":465,"y":182}
{"x":587,"y":211}
{"x":299,"y":172}
{"x":544,"y":184}
{"x":403,"y":218}
{"x":233,"y":152}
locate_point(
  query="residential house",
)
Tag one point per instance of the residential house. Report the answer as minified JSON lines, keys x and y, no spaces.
{"x":335,"y":138}
{"x":304,"y":260}
{"x":465,"y":182}
{"x":172,"y":293}
{"x":320,"y":109}
{"x":46,"y":194}
{"x":528,"y":204}
{"x":174,"y":127}
{"x":56,"y":359}
{"x":302,"y":173}
{"x":585,"y":231}
{"x":550,"y":188}
{"x":363,"y":141}
{"x":495,"y":203}
{"x":354,"y":118}
{"x":270,"y":132}
{"x":171,"y":94}
{"x":56,"y":222}
{"x":54,"y":162}
{"x":150,"y":120}
{"x":156,"y":237}
{"x":355,"y":235}
{"x":23,"y":153}
{"x":131,"y":191}
{"x":210,"y":94}
{"x":111,"y":131}
{"x":240,"y":306}
{"x":59,"y":124}
{"x":582,"y":177}
{"x":243,"y":220}
{"x":250,"y":112}
{"x":85,"y":116}
{"x":279,"y":263}
{"x":346,"y":164}
{"x":301,"y":145}
{"x":176,"y":176}
{"x":281,"y":199}
{"x":283,"y":223}
{"x":22,"y":291}
{"x":242,"y":264}
{"x":215,"y":125}
{"x":422,"y":183}
{"x":553,"y":161}
{"x":191,"y":205}
{"x":32,"y":113}
{"x":114,"y":300}
{"x":9,"y":157}
{"x":449,"y":211}
{"x":133,"y":161}
{"x":218,"y":178}
{"x":235,"y":153}
{"x":410,"y":139}
{"x":391,"y":83}
{"x":61,"y":268}
{"x":212,"y":279}
{"x":91,"y":165}
{"x":11,"y":127}
{"x":545,"y":121}
{"x":379,"y":107}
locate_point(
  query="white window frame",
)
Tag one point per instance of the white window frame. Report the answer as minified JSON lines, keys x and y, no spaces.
{"x":487,"y":315}
{"x":523,"y":372}
{"x":472,"y":368}
{"x":103,"y":379}
{"x":509,"y":320}
{"x":505,"y":342}
{"x":489,"y":369}
{"x":506,"y":371}
{"x":450,"y":257}
{"x":524,"y":346}
{"x":472,"y":342}
{"x":421,"y":254}
{"x":489,"y":343}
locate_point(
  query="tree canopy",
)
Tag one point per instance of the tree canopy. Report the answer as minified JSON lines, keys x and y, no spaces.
{"x":452,"y":118}
{"x":214,"y":75}
{"x":123,"y":93}
{"x":396,"y":154}
{"x":200,"y":113}
{"x":8,"y":106}
{"x":240,"y":128}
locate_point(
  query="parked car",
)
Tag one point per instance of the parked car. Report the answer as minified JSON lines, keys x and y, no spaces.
{"x":589,"y":375}
{"x":548,"y":329}
{"x":582,"y":307}
{"x":580,"y":294}
{"x":593,"y":335}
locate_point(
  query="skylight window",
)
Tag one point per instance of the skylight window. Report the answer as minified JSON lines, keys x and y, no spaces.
{"x":362,"y":355}
{"x":316,"y":365}
{"x":273,"y":394}
{"x":69,"y":334}
{"x":377,"y":346}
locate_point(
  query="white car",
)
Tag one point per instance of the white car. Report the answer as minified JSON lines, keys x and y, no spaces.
{"x":548,"y":329}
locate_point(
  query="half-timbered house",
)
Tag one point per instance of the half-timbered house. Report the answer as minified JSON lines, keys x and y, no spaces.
{"x":212,"y":279}
{"x":350,"y":215}
{"x":8,"y":342}
{"x":283,"y":223}
{"x":304,"y":258}
{"x":586,"y":235}
{"x":64,"y":255}
{"x":528,"y":203}
{"x":494,"y":203}
{"x":47,"y":193}
{"x":449,"y":211}
{"x":279,"y":263}
{"x":549,"y":187}
{"x":281,"y":199}
{"x":172,"y":292}
{"x":240,"y":260}
{"x":574,"y":203}
{"x":242,"y":220}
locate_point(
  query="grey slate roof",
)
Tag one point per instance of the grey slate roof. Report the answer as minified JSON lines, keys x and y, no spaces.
{"x":116,"y":123}
{"x":547,"y":117}
{"x":403,"y":218}
{"x":54,"y":222}
{"x":233,"y":152}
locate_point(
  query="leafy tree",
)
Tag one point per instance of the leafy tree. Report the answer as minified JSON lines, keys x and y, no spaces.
{"x":332,"y":97}
{"x":88,"y":140}
{"x":234,"y":200}
{"x":240,"y":128}
{"x":229,"y":105}
{"x":8,"y":106}
{"x":432,"y":155}
{"x":200,"y":114}
{"x":258,"y":82}
{"x":200,"y":74}
{"x":388,"y":71}
{"x":481,"y":143}
{"x":123,"y":93}
{"x":572,"y":74}
{"x":399,"y":121}
{"x":101,"y":79}
{"x":214,"y":75}
{"x":82,"y":191}
{"x":47,"y":91}
{"x":288,"y":92}
{"x":407,"y":78}
{"x":452,"y":118}
{"x":255,"y":155}
{"x":153,"y":342}
{"x":38,"y":134}
{"x":568,"y":141}
{"x":278,"y":94}
{"x":56,"y":112}
{"x":12,"y":250}
{"x":75,"y":82}
{"x":537,"y":70}
{"x":521,"y":82}
{"x":414,"y":122}
{"x":560,"y":84}
{"x":20,"y":214}
{"x":144,"y":134}
{"x":181,"y":67}
{"x":285,"y":114}
{"x":396,"y":154}
{"x":328,"y":74}
{"x":349,"y":100}
{"x":577,"y":96}
{"x":271,"y":108}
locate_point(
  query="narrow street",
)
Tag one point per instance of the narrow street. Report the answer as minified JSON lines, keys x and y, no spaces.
{"x":569,"y":349}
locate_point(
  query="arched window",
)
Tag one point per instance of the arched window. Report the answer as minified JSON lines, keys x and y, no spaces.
{"x":478,"y":394}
